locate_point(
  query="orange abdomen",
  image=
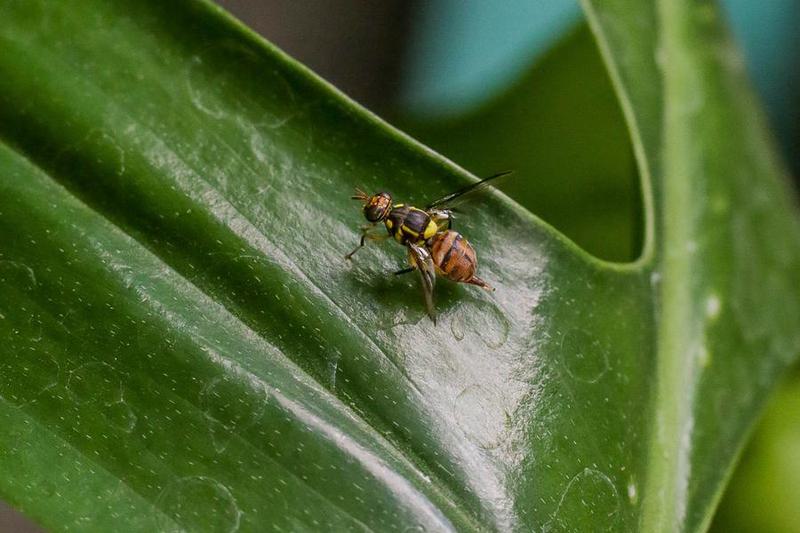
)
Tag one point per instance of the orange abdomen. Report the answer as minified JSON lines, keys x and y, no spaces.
{"x":453,"y":256}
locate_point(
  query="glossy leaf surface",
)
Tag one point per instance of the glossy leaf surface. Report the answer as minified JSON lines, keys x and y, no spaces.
{"x":184,"y":346}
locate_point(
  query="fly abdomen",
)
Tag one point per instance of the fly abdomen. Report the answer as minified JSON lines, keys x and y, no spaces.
{"x":455,"y":258}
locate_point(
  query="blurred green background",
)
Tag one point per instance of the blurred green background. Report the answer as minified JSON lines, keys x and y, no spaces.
{"x":520,"y":85}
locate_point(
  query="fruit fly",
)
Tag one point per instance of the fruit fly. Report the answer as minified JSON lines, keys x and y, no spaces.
{"x":433,"y":247}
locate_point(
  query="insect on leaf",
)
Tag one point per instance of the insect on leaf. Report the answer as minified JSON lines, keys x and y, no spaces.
{"x":184,"y":346}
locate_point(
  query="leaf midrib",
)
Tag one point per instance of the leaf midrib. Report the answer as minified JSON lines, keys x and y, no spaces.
{"x":666,"y":487}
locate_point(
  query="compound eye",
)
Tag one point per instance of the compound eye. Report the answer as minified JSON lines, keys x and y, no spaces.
{"x":377,"y":207}
{"x":373,"y":213}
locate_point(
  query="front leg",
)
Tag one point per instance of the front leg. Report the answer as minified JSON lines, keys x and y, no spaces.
{"x":357,"y":248}
{"x":366,"y":233}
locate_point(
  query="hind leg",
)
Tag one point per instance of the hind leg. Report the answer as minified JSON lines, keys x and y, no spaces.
{"x":408,"y":269}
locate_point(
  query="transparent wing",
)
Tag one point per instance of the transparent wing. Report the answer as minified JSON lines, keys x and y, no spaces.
{"x":424,"y":262}
{"x":467,"y":192}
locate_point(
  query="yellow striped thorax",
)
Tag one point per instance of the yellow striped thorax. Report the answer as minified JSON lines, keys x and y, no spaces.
{"x":409,"y":224}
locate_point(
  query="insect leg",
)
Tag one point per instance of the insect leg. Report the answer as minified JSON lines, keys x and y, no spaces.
{"x":404,"y":271}
{"x":357,"y":248}
{"x":366,"y":233}
{"x":450,"y":217}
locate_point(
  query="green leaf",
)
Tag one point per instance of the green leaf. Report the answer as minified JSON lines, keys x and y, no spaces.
{"x":185,"y":347}
{"x":726,"y":242}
